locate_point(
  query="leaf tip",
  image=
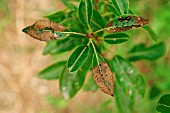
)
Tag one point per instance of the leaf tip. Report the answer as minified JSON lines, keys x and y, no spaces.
{"x":25,"y":30}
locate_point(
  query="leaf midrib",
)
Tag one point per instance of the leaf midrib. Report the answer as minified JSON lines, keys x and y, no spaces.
{"x":78,"y":59}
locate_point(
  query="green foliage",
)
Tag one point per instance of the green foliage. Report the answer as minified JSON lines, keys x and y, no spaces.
{"x":163,"y":105}
{"x":85,"y":11}
{"x":154,"y":92}
{"x":128,"y":77}
{"x":87,"y":42}
{"x":91,"y":85}
{"x":122,"y":6}
{"x":53,"y":71}
{"x":57,"y":16}
{"x":70,"y":83}
{"x":59,"y":103}
{"x":116,"y":38}
{"x":78,"y":57}
{"x":123,"y":99}
{"x":142,"y":52}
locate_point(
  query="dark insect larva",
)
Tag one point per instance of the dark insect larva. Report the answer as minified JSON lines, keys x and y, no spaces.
{"x":103,"y":77}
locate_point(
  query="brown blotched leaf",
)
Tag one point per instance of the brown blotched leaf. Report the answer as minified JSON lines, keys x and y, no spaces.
{"x":120,"y":29}
{"x":103,"y":77}
{"x":140,"y":21}
{"x":125,"y":23}
{"x":43,"y":30}
{"x":43,"y":24}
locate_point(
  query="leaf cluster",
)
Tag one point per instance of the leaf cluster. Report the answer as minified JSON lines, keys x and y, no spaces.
{"x":88,"y":42}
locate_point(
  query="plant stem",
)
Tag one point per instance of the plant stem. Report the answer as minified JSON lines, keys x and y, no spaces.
{"x":95,"y":53}
{"x":75,"y":33}
{"x":99,"y":31}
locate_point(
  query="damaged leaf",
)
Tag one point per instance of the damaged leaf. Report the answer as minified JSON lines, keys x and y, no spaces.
{"x":103,"y":77}
{"x":125,"y":23}
{"x":45,"y":30}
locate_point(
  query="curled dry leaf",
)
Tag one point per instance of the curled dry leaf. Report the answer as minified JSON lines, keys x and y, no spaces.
{"x":103,"y":77}
{"x":43,"y":30}
{"x":125,"y":23}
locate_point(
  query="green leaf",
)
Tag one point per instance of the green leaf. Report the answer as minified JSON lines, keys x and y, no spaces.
{"x":154,"y":92}
{"x":77,"y":58}
{"x":91,"y":85}
{"x":98,"y":19}
{"x":163,"y":105}
{"x":56,"y":17}
{"x":64,"y":45}
{"x":97,"y":22}
{"x":68,"y":4}
{"x":116,"y":38}
{"x":97,"y":58}
{"x":128,"y":78}
{"x":119,"y":6}
{"x":114,"y":10}
{"x":122,"y":6}
{"x":101,"y":6}
{"x":88,"y":62}
{"x":59,"y":103}
{"x":151,"y":32}
{"x":124,"y":103}
{"x":85,"y":11}
{"x":53,"y":71}
{"x":126,"y":6}
{"x":70,"y":83}
{"x":86,"y":66}
{"x":141,"y":52}
{"x":61,"y":35}
{"x":50,"y":45}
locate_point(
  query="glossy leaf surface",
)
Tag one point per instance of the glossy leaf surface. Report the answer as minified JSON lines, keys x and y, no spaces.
{"x":77,"y":58}
{"x":85,"y":10}
{"x":163,"y":105}
{"x":142,"y":52}
{"x":124,"y":103}
{"x":71,"y":82}
{"x":116,"y":38}
{"x":128,"y":77}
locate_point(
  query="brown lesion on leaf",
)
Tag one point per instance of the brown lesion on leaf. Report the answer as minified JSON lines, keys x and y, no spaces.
{"x":139,"y":22}
{"x":43,"y":36}
{"x":43,"y":30}
{"x":109,"y":24}
{"x":120,"y":29}
{"x":43,"y":24}
{"x":103,"y":77}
